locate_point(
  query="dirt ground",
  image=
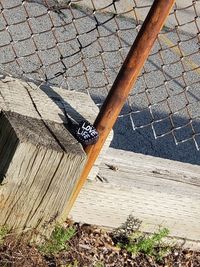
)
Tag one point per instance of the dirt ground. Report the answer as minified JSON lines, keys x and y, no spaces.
{"x":90,"y":246}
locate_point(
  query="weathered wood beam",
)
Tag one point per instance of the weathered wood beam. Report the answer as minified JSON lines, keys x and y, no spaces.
{"x":40,"y":161}
{"x":159,"y":192}
{"x":49,"y":103}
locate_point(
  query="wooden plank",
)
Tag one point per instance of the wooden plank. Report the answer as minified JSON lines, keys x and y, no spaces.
{"x":157,"y":191}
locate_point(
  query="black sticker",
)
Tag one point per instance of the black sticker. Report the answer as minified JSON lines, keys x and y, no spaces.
{"x":86,"y":133}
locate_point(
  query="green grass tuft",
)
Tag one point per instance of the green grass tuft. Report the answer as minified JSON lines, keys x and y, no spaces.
{"x":151,"y":245}
{"x":58,"y":240}
{"x":3,"y":233}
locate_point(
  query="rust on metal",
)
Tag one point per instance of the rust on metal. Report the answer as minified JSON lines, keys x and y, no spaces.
{"x":124,"y":82}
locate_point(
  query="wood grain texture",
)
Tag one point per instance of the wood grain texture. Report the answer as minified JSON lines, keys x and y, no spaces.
{"x":49,"y":103}
{"x":40,"y":161}
{"x":40,"y":172}
{"x":157,"y":191}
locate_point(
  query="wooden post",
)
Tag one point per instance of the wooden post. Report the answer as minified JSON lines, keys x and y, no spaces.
{"x":40,"y":161}
{"x":37,"y":172}
{"x":124,"y":82}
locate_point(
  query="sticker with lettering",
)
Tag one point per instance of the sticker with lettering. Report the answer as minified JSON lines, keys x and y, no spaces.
{"x":86,"y":133}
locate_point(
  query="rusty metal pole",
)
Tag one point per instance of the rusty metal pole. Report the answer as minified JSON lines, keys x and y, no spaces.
{"x":124,"y":82}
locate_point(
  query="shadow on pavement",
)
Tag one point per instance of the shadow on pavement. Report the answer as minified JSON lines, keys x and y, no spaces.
{"x":143,"y":141}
